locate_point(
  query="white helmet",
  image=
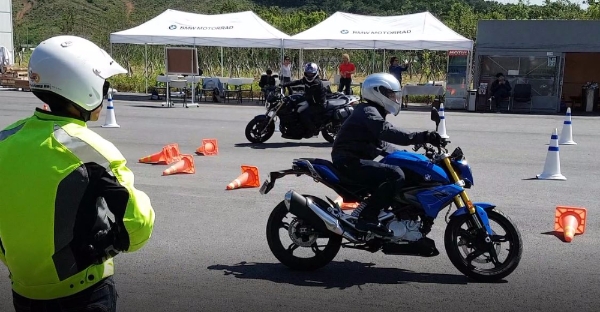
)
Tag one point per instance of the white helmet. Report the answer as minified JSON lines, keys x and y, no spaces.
{"x":311,"y":71}
{"x":74,"y":68}
{"x":383,"y":89}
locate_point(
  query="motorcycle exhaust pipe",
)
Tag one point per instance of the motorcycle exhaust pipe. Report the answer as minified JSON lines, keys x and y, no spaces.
{"x":314,"y":215}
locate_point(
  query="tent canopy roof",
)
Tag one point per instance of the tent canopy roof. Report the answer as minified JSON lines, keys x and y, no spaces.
{"x":240,"y":29}
{"x":419,"y":31}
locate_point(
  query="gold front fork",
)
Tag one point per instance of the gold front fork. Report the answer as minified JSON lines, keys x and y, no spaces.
{"x":461,"y":199}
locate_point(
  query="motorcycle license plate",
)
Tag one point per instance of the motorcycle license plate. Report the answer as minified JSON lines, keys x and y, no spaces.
{"x":271,"y":114}
{"x":263,"y":188}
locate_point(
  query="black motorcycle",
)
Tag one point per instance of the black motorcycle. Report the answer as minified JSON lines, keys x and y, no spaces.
{"x":327,"y":119}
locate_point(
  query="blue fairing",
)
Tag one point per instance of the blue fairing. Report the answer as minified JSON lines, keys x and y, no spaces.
{"x":435,"y":199}
{"x":480,"y":208}
{"x":417,"y":163}
{"x":464,"y":170}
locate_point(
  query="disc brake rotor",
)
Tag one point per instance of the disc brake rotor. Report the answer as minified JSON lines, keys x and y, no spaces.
{"x":299,"y":234}
{"x":481,"y":259}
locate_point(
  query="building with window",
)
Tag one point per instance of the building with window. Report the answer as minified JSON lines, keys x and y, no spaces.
{"x":548,"y":63}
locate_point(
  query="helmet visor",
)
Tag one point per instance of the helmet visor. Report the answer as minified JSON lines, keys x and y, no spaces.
{"x":395,"y":96}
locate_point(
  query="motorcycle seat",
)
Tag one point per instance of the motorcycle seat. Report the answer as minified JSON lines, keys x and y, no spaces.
{"x":335,"y":103}
{"x":327,"y":171}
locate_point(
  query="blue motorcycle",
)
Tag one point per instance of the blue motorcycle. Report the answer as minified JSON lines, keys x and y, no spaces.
{"x":434,"y":180}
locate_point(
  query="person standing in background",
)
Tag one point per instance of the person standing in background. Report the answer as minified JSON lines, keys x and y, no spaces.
{"x":346,"y":69}
{"x":285,"y":72}
{"x":396,"y":70}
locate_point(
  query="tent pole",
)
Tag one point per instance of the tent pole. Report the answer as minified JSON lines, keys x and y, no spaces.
{"x":146,"y":65}
{"x":194,"y":70}
{"x":221,"y":61}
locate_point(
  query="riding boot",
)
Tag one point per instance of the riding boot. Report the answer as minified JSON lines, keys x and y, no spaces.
{"x":309,"y":127}
{"x":379,"y":200}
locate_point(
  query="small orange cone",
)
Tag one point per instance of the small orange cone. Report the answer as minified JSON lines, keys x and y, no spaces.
{"x":345,"y":205}
{"x":248,"y":178}
{"x":570,"y":221}
{"x":209,"y":147}
{"x":184,"y":165}
{"x":168,"y":155}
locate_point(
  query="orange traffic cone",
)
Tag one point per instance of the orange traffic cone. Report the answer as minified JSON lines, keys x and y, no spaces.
{"x":209,"y":147}
{"x":570,"y":221}
{"x":184,"y":165}
{"x":248,"y":178}
{"x":345,"y":205}
{"x":168,"y":155}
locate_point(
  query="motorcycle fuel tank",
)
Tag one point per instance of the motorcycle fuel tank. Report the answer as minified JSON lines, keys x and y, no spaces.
{"x":419,"y":164}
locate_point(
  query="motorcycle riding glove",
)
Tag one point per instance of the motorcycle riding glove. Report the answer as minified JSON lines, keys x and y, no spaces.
{"x":434,"y":138}
{"x":103,"y":246}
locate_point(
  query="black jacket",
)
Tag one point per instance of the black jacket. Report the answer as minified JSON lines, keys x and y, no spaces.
{"x":496,"y":86}
{"x":314,"y":92}
{"x":366,"y":133}
{"x":266,"y":81}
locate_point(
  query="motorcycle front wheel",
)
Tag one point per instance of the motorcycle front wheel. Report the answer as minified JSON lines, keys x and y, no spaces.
{"x":468,"y":252}
{"x":254,"y":129}
{"x":304,"y":240}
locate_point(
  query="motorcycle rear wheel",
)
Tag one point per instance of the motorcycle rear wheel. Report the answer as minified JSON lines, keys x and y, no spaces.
{"x":285,"y":255}
{"x":254,"y":128}
{"x":455,"y":235}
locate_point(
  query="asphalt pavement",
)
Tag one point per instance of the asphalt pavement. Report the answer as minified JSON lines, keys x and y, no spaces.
{"x":208,"y":251}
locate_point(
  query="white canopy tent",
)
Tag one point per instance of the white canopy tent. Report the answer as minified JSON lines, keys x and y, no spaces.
{"x":420,"y":31}
{"x":240,"y":29}
{"x":172,"y":27}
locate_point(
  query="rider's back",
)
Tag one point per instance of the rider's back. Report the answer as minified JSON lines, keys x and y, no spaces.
{"x":359,"y":136}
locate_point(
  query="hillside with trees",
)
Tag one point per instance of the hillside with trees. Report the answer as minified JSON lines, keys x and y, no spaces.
{"x":35,"y":20}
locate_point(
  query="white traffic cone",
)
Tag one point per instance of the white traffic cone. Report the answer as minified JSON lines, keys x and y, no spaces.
{"x":111,"y":120}
{"x":442,"y":127}
{"x":566,"y":135}
{"x":552,"y":165}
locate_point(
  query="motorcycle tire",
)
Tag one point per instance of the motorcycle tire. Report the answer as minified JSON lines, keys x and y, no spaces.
{"x":453,"y":234}
{"x":285,"y":256}
{"x":329,"y":133}
{"x":255,"y":126}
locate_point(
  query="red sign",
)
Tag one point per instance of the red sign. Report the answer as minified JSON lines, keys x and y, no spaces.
{"x":458,"y":52}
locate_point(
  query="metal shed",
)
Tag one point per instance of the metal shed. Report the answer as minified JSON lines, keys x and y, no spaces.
{"x":555,"y":57}
{"x":6,"y":29}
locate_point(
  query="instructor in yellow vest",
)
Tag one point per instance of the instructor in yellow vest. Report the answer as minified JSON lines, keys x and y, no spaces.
{"x":67,"y":200}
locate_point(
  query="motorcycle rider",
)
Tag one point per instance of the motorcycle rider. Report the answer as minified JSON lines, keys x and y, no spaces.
{"x":68,"y":203}
{"x":313,"y":97}
{"x":364,"y":136}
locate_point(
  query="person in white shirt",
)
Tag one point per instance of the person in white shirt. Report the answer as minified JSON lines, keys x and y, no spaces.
{"x":285,"y":73}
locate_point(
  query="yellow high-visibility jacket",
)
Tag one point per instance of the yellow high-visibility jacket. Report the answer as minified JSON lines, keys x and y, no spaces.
{"x":53,"y":171}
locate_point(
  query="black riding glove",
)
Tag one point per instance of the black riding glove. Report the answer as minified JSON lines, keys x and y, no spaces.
{"x":434,"y":138}
{"x":104,"y":246}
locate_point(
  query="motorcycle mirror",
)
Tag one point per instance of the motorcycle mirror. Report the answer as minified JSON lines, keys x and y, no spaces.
{"x":435,"y":116}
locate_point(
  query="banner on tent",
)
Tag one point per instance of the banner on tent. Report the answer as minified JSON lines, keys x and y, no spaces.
{"x":375,"y":32}
{"x":188,"y":27}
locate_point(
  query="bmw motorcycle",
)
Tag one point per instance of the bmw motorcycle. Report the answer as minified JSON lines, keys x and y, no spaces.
{"x":327,"y":120}
{"x":434,"y":180}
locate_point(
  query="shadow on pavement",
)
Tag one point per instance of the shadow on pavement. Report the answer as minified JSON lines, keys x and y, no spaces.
{"x":339,"y":275}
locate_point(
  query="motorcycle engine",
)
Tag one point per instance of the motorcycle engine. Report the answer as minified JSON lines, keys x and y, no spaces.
{"x":405,"y":229}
